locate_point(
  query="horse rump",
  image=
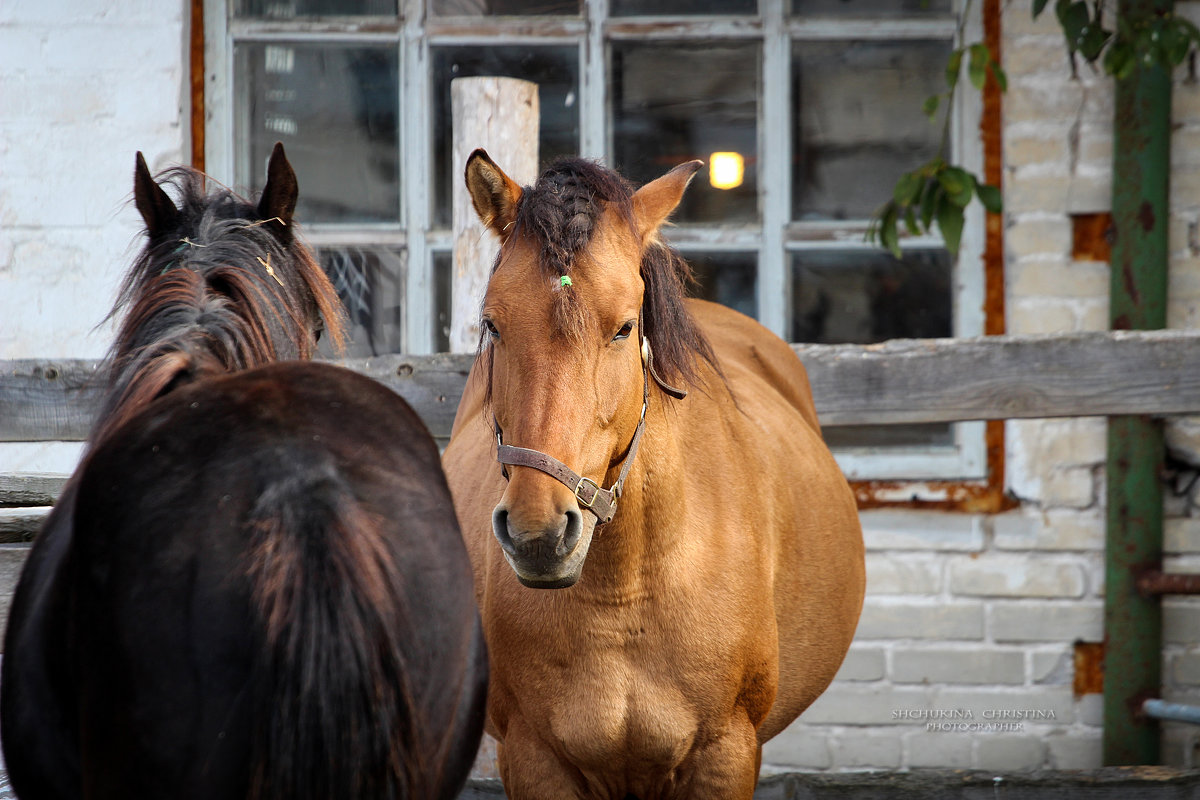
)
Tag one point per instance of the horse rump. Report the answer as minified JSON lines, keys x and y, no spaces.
{"x":333,"y":705}
{"x":274,"y":598}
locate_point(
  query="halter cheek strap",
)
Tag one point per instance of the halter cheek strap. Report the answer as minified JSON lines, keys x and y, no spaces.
{"x":589,"y":494}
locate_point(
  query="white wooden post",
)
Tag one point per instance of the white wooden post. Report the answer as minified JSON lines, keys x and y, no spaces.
{"x":501,"y":116}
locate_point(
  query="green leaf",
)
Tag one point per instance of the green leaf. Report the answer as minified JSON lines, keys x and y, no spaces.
{"x":931,"y":105}
{"x":977,"y":65}
{"x":1074,"y":18}
{"x":888,"y":235}
{"x":907,"y":188}
{"x":1175,"y":43}
{"x":910,"y":221}
{"x":953,"y":66}
{"x":1038,"y":7}
{"x":999,"y":74}
{"x":990,"y":197}
{"x":1188,"y":28}
{"x":929,"y":201}
{"x":1120,"y":59}
{"x":1092,"y":40}
{"x":950,"y":223}
{"x":959,"y":185}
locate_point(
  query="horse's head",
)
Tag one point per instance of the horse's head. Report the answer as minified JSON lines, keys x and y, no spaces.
{"x":222,"y":284}
{"x":581,"y":294}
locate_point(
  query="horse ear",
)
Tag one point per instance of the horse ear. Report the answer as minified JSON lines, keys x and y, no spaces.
{"x":655,"y":201}
{"x":494,"y":194}
{"x":157,"y":210}
{"x":278,"y":201}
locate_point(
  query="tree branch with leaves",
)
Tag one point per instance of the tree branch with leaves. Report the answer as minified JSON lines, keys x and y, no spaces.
{"x":939,"y":191}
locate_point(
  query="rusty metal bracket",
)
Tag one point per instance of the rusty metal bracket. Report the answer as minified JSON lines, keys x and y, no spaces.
{"x":1153,"y":582}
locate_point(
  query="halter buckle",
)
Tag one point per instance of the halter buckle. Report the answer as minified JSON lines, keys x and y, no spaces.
{"x":595,"y":492}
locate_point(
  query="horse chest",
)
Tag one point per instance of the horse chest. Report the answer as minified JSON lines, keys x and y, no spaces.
{"x":618,"y":717}
{"x":635,"y":697}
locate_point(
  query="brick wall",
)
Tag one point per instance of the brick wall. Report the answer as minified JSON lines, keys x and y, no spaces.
{"x":84,"y":85}
{"x":965,"y":655}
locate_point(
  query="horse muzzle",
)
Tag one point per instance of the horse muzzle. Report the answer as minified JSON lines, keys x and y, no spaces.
{"x":549,"y":555}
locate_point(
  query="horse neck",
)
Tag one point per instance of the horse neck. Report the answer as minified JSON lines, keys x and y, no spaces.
{"x":172,"y":337}
{"x":643,"y":534}
{"x":145,"y":381}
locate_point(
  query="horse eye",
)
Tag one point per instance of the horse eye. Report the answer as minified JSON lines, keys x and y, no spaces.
{"x":626,"y":329}
{"x":490,"y":327}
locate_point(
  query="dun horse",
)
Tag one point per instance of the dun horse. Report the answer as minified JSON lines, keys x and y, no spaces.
{"x":703,"y":551}
{"x":254,"y":585}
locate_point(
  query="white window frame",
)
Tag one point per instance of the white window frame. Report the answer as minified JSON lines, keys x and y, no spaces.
{"x":774,"y":239}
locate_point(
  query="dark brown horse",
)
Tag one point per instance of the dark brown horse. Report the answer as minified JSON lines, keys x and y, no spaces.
{"x":702,"y":549}
{"x":253,"y":585}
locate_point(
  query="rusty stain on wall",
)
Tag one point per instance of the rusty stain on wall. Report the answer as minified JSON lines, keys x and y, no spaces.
{"x":1092,"y":237}
{"x":1089,"y":668}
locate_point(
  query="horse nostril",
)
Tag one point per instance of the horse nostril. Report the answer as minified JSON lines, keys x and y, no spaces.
{"x":500,"y":528}
{"x":572,"y":531}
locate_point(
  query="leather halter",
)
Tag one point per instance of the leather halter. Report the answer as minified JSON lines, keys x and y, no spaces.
{"x":589,"y":494}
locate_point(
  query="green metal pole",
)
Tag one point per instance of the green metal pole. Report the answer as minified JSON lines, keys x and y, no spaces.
{"x":1132,"y":623}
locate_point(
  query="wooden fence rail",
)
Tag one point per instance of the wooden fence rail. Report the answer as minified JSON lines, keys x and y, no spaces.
{"x":902,"y":381}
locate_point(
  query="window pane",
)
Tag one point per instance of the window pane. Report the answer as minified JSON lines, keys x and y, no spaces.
{"x":859,"y":121}
{"x":871,"y":8}
{"x":370,"y":282}
{"x":676,"y":102}
{"x":630,"y":8}
{"x":554,"y":69}
{"x":443,"y":285}
{"x":492,"y":8}
{"x":335,"y":107}
{"x":860,"y":296}
{"x":288,"y":9}
{"x":726,"y":278}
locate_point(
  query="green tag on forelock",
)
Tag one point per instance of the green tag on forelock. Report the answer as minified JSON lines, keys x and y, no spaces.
{"x":565,"y":280}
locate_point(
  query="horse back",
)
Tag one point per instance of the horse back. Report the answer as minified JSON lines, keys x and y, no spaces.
{"x":774,"y":452}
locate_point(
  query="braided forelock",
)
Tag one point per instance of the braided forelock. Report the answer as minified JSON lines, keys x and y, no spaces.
{"x":560,"y":213}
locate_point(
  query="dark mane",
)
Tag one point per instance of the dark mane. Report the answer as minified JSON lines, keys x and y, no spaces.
{"x":560,"y":212}
{"x":199,"y":299}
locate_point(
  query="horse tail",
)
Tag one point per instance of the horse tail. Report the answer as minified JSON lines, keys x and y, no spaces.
{"x":334,"y":712}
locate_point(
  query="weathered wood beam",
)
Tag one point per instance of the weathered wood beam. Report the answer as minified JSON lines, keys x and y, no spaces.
{"x":48,"y":401}
{"x":1006,"y":377}
{"x":19,"y":490}
{"x":902,"y":381}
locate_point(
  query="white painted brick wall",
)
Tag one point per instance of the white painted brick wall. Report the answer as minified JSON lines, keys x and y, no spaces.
{"x":85,"y":85}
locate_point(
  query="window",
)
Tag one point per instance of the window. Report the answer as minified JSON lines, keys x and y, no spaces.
{"x":805,"y":112}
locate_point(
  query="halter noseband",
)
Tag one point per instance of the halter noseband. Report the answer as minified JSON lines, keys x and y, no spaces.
{"x":588,"y":493}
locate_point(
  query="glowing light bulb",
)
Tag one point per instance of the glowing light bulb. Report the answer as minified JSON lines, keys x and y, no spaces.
{"x":725,"y":170}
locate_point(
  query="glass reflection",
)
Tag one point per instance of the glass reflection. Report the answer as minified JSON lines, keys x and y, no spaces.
{"x":675,"y":102}
{"x":370,"y":282}
{"x":335,"y":107}
{"x":859,"y":122}
{"x":871,"y":8}
{"x":632,"y":8}
{"x":861,"y":297}
{"x":497,"y":8}
{"x":726,"y":278}
{"x":290,"y":9}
